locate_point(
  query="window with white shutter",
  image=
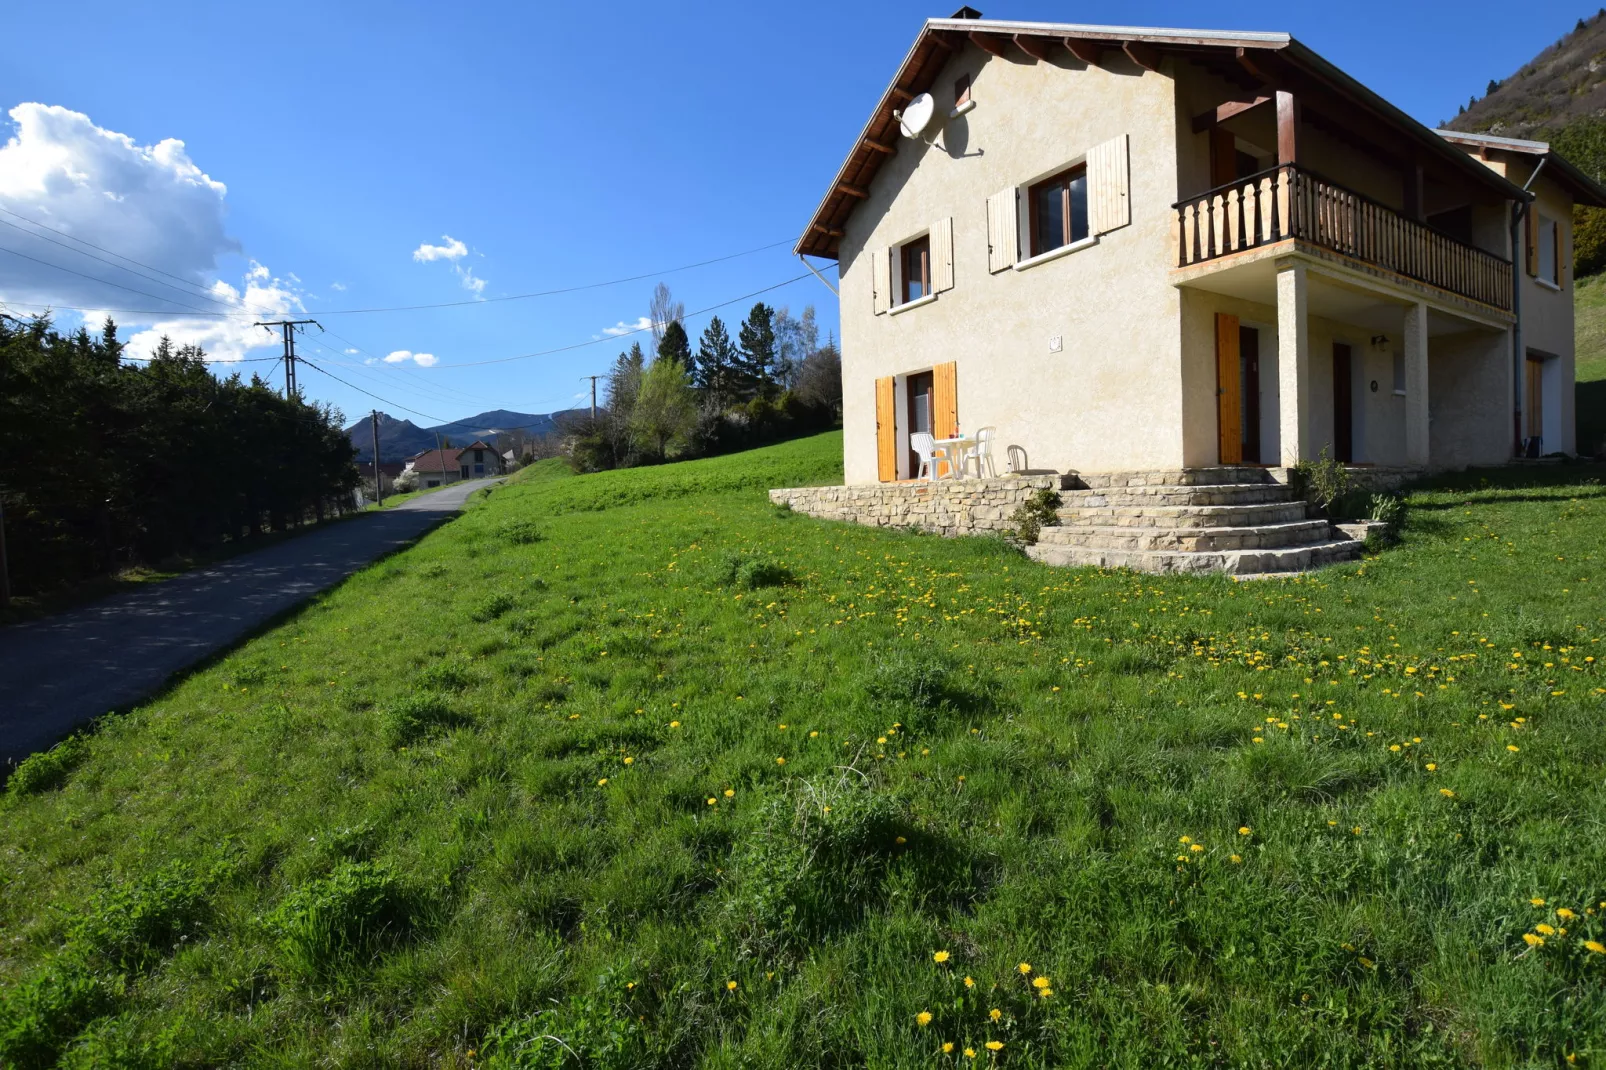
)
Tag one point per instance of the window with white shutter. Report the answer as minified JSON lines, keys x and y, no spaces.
{"x":881,"y":279}
{"x":1108,"y":186}
{"x":942,"y":255}
{"x":1002,"y":231}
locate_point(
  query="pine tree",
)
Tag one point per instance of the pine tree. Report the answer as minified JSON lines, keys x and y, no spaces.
{"x":757,"y":338}
{"x":675,"y":345}
{"x":717,"y":360}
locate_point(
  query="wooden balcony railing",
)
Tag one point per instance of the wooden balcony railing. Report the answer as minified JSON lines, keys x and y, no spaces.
{"x":1290,"y":202}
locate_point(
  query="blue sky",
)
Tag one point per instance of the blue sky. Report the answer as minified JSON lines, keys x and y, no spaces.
{"x":560,"y":145}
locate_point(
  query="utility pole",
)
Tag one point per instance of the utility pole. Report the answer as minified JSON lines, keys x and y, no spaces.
{"x":379,"y":477}
{"x":288,"y":329}
{"x":593,"y":379}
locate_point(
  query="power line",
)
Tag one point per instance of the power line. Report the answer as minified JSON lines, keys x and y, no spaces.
{"x":118,"y":285}
{"x":370,"y":393}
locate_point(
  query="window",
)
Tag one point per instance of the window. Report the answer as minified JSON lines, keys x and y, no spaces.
{"x":1058,"y":210}
{"x":915,"y":262}
{"x":1549,"y":248}
{"x":464,"y":472}
{"x":479,"y":456}
{"x":1399,"y":373}
{"x":962,"y":90}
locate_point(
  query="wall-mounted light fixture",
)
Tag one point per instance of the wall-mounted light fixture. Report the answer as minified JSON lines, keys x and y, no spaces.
{"x":1380,"y":340}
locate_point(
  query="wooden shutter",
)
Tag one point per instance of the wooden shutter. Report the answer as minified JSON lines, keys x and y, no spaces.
{"x":1229,"y":410}
{"x":1108,"y":186}
{"x":945,"y":401}
{"x":1530,"y":233}
{"x":886,"y":435}
{"x":1555,"y":252}
{"x":881,"y":279}
{"x":1003,"y":235}
{"x":942,"y":255}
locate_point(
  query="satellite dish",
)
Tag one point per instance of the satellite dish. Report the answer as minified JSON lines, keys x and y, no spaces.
{"x":917,"y":116}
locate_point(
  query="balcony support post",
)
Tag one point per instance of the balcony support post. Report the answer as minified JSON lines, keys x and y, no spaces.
{"x":1293,"y":364}
{"x":1287,"y":128}
{"x":1414,"y":341}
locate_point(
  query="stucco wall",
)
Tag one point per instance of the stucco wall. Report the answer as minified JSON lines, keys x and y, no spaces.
{"x":1111,"y":399}
{"x":1469,"y":377}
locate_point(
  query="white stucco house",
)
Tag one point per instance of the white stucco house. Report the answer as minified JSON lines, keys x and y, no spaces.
{"x":437,"y":468}
{"x":1160,"y":250}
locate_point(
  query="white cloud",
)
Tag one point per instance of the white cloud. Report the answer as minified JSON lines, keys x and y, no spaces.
{"x":352,"y":352}
{"x":226,"y":338}
{"x":402,"y":356}
{"x":338,"y":286}
{"x":471,"y":282}
{"x":147,"y":202}
{"x":622,"y":327}
{"x":452,"y":250}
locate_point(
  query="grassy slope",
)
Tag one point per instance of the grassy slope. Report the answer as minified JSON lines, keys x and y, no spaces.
{"x":1179,"y":798}
{"x":1589,"y":305}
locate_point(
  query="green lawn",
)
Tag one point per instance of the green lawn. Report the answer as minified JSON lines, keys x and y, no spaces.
{"x":637,"y":767}
{"x":1589,"y":332}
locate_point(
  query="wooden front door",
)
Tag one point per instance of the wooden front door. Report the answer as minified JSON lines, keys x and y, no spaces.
{"x":1343,"y":405}
{"x":1249,"y":405}
{"x":920,"y":413}
{"x":1229,"y":391}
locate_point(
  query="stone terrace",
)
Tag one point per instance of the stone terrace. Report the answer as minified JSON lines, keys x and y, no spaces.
{"x":1230,"y":519}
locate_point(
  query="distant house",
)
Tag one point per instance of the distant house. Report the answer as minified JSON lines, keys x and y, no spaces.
{"x":437,"y":468}
{"x":388,"y":471}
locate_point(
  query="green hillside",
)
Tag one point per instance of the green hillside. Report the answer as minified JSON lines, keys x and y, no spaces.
{"x":1589,"y":306}
{"x":637,"y":770}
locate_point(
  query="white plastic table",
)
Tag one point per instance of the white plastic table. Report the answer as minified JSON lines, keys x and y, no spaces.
{"x":954,"y":451}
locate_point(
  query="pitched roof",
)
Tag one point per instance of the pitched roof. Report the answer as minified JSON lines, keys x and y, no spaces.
{"x":1252,"y":60}
{"x":437,"y":460}
{"x":1585,"y":190}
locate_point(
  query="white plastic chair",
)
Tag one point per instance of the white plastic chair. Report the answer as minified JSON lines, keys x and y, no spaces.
{"x":1017,"y":459}
{"x":930,"y":456}
{"x":981,"y":453}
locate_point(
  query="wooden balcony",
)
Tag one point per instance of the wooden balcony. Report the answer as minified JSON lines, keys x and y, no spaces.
{"x":1291,"y":202}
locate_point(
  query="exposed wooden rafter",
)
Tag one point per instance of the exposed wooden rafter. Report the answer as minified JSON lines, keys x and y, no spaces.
{"x":829,"y":232}
{"x":852,"y":191}
{"x":1089,"y":52}
{"x":992,"y":43}
{"x":871,"y":143}
{"x":901,"y":94}
{"x":1205,"y":120}
{"x":1248,"y":62}
{"x":1144,"y":55}
{"x":1035,"y":46}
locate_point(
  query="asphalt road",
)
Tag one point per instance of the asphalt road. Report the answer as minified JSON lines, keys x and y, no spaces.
{"x":60,"y":673}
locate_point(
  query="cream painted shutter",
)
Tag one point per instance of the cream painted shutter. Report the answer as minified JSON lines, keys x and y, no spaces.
{"x":1108,"y":186}
{"x":942,"y":255}
{"x":880,"y":261}
{"x":1002,"y":236}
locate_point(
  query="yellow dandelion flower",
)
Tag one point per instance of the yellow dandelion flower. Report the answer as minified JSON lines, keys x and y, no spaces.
{"x":1235,"y":859}
{"x":970,"y":982}
{"x":780,"y":761}
{"x":712,"y":801}
{"x":1395,"y":747}
{"x":730,"y":793}
{"x":814,"y":735}
{"x":602,"y":783}
{"x":1244,"y":830}
{"x":947,"y":1047}
{"x":995,"y":1045}
{"x":1041,"y":981}
{"x":1431,"y":766}
{"x":923,"y":1018}
{"x":674,"y":724}
{"x":1447,"y":793}
{"x":1257,"y":739}
{"x":1532,"y":940}
{"x":1368,"y":963}
{"x":900,"y":841}
{"x":1045,"y":993}
{"x":1024,"y":968}
{"x":1544,"y":929}
{"x":1184,"y":839}
{"x":730,"y":986}
{"x":970,"y":1053}
{"x":1196,"y":848}
{"x":630,"y":761}
{"x":995,"y":1014}
{"x":1564,"y":914}
{"x":1182,"y":858}
{"x":939,"y":956}
{"x":1596,"y":946}
{"x":1536,"y":901}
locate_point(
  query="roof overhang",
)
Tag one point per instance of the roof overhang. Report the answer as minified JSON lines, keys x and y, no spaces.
{"x":1264,"y":59}
{"x":1585,"y":190}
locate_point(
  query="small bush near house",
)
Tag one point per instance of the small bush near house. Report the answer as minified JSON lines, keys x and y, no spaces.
{"x":1033,"y":515}
{"x":1322,"y":482}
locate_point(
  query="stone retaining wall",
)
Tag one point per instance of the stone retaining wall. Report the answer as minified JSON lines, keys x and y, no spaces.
{"x":947,"y":507}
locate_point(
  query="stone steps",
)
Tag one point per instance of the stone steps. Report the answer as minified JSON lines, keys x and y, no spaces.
{"x":1183,"y":516}
{"x":1190,"y":540}
{"x":1213,"y":475}
{"x":1176,"y":494}
{"x":1231,"y":562}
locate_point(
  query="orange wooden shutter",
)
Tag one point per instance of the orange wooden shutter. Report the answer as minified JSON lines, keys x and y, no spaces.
{"x":1229,"y":414}
{"x":945,"y":400}
{"x":886,"y":437}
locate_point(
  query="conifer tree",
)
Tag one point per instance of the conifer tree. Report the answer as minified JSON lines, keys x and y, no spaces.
{"x":757,"y":338}
{"x":717,"y":360}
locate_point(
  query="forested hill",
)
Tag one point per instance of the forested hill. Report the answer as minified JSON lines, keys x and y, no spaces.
{"x":1561,"y":88}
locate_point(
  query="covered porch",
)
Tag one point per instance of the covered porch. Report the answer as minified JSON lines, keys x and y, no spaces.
{"x":1290,"y":353}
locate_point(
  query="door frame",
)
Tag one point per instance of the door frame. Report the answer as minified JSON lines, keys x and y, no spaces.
{"x":929,"y":379}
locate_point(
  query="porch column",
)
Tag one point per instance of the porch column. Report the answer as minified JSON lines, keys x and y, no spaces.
{"x":1415,"y":342}
{"x":1293,"y":365}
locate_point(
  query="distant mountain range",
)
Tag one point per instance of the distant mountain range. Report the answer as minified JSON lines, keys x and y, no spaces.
{"x":401,"y":439}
